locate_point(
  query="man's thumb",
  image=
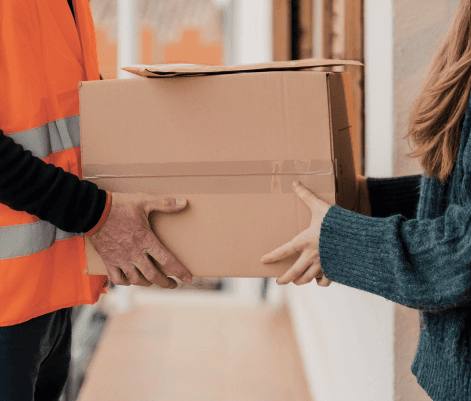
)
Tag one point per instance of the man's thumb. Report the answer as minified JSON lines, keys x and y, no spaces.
{"x":181,"y":203}
{"x":166,"y":204}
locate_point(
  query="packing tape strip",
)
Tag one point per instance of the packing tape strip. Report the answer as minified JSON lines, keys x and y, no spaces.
{"x":211,"y":169}
{"x":214,"y":177}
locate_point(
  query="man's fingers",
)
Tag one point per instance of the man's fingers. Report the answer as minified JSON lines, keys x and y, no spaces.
{"x":164,"y":258}
{"x":164,"y":204}
{"x":288,"y":249}
{"x":135,"y":277}
{"x":154,"y":275}
{"x":117,"y":276}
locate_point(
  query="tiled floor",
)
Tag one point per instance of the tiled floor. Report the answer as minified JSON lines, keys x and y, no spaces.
{"x":196,"y":353}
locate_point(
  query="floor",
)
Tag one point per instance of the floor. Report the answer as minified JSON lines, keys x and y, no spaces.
{"x":196,"y":353}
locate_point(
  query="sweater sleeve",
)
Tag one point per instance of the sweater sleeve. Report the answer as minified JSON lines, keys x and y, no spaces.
{"x":390,"y":196}
{"x":422,"y":264}
{"x":29,"y":184}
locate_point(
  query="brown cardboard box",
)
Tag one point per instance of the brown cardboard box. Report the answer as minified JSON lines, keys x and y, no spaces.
{"x":231,"y":141}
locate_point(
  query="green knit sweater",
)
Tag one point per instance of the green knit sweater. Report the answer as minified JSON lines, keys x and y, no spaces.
{"x":416,"y":251}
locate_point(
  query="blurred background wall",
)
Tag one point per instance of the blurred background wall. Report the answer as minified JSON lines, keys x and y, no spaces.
{"x":179,"y":31}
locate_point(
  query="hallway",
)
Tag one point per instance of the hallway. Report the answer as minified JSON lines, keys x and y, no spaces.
{"x":197,"y":353}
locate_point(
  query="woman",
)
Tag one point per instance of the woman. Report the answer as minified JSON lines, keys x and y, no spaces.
{"x":416,"y":249}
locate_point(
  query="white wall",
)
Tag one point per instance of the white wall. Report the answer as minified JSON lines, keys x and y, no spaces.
{"x":379,"y":64}
{"x":127,"y":40}
{"x":345,"y":340}
{"x":253,"y":29}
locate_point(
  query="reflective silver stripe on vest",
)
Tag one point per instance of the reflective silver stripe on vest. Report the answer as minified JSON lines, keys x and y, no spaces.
{"x":28,"y":239}
{"x":52,"y":137}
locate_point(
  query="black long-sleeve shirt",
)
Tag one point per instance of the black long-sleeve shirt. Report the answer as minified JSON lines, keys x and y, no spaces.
{"x":29,"y":184}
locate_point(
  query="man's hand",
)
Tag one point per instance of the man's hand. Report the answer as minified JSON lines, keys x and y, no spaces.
{"x":130,"y":250}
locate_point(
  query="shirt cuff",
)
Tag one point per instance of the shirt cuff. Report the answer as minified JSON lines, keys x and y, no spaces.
{"x":103,"y":218}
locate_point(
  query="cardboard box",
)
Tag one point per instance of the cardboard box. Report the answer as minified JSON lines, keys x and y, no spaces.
{"x":231,"y":140}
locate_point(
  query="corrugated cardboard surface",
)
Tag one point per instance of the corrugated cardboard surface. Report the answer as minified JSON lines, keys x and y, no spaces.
{"x":170,"y":70}
{"x":231,"y":144}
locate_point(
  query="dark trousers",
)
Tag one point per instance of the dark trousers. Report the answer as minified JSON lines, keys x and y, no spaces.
{"x":35,"y":357}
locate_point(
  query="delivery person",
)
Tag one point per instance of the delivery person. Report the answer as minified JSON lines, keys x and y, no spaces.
{"x":45,"y":209}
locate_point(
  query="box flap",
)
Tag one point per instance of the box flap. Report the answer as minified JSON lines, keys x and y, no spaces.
{"x":172,"y":70}
{"x":339,"y":91}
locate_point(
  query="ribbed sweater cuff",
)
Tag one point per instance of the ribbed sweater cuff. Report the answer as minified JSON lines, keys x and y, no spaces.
{"x":352,"y":251}
{"x":390,"y":196}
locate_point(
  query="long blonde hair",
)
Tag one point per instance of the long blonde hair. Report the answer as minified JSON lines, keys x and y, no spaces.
{"x":441,"y":102}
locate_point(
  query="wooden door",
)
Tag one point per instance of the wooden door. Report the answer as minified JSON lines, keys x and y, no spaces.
{"x":342,"y":38}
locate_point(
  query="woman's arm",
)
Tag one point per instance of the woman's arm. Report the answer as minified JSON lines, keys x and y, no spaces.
{"x":29,"y":184}
{"x":384,"y":197}
{"x":390,"y":196}
{"x":422,"y":264}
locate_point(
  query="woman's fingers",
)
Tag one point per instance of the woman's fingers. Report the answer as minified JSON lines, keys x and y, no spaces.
{"x":296,"y":270}
{"x":304,"y":194}
{"x":312,"y":272}
{"x":323,"y":281}
{"x":288,"y":249}
{"x":308,"y":275}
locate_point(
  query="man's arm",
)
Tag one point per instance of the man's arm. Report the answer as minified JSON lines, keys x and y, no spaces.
{"x":124,"y":240}
{"x":29,"y":184}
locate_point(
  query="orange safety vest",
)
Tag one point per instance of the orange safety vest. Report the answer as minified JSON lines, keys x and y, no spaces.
{"x":44,"y":54}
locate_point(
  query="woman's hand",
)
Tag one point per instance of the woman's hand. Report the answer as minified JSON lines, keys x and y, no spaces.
{"x":308,"y":266}
{"x":130,"y":250}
